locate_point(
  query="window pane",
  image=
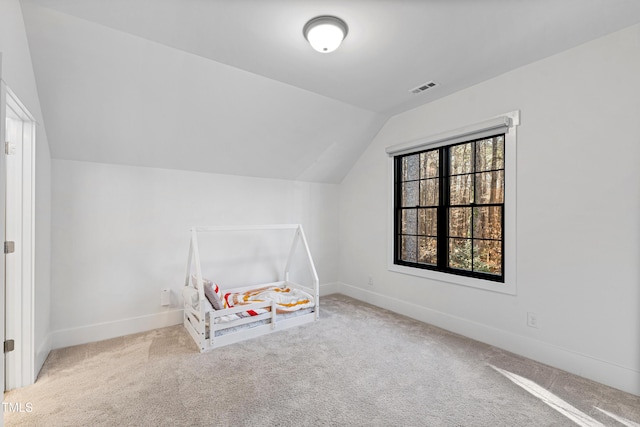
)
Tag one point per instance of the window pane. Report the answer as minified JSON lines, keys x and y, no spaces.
{"x":469,"y":239}
{"x":429,"y":164}
{"x":490,"y":187}
{"x":460,"y":253}
{"x":408,"y":249}
{"x":461,"y":190}
{"x":409,"y":221}
{"x":487,"y":256}
{"x":460,"y":222}
{"x":410,"y":194}
{"x":428,"y":250}
{"x":428,"y":222}
{"x":429,"y":192}
{"x":487,"y":222}
{"x":411,"y":167}
{"x":490,"y":154}
{"x":460,"y":159}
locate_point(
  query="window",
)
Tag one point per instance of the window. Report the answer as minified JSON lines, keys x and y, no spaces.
{"x":449,"y":208}
{"x":452,"y":210}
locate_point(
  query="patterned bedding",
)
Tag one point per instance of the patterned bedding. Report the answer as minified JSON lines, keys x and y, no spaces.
{"x":286,"y":299}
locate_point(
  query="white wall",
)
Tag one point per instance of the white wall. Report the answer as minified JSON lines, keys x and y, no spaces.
{"x":216,"y":111}
{"x":578,"y":210}
{"x":17,"y":73}
{"x":121,"y":234}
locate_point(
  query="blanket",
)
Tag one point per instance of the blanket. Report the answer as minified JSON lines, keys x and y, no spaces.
{"x":286,"y":299}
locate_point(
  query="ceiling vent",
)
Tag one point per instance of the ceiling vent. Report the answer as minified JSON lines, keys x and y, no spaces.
{"x":423,"y":87}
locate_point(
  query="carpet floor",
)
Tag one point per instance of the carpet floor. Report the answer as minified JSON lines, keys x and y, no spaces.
{"x":358,"y":366}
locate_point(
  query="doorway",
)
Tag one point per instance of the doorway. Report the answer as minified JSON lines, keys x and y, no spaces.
{"x":19,"y":159}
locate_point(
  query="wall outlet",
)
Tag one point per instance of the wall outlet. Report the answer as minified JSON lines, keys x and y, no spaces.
{"x":370,"y":281}
{"x":532,"y":320}
{"x":165,"y":297}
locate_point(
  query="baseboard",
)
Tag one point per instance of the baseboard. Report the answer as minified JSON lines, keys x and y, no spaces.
{"x":103,"y":331}
{"x":613,"y":375}
{"x":330,"y":288}
{"x":42,"y":353}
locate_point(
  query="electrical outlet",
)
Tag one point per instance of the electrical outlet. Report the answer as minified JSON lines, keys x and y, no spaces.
{"x":165,"y":297}
{"x":370,"y":281}
{"x":532,"y":320}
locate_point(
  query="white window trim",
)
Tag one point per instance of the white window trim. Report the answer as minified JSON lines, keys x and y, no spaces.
{"x":510,"y":121}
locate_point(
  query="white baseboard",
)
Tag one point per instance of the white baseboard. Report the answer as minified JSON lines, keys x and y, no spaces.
{"x":611,"y":374}
{"x":330,"y":288}
{"x":103,"y":331}
{"x":42,"y":353}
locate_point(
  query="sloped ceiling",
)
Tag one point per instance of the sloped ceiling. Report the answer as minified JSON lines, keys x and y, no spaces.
{"x":233,"y":87}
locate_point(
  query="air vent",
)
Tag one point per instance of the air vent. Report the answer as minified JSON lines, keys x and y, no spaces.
{"x":423,"y":87}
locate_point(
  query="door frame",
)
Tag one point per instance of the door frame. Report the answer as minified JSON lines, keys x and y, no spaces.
{"x":3,"y":108}
{"x":23,"y":371}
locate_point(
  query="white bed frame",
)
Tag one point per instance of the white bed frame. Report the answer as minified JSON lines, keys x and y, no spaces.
{"x":201,"y":322}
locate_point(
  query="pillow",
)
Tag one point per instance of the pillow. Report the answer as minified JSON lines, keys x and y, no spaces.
{"x":213,"y":294}
{"x":211,"y":291}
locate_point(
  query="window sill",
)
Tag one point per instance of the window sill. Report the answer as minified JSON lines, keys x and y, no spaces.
{"x":508,"y":287}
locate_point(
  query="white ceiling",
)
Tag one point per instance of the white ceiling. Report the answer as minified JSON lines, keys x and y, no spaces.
{"x":233,"y":87}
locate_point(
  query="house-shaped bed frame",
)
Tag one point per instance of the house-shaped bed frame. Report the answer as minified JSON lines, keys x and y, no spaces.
{"x":205,"y":324}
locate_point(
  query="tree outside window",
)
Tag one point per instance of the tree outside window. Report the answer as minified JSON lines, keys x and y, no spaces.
{"x":449,"y":208}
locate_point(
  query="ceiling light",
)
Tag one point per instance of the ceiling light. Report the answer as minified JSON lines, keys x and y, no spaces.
{"x":325,"y":33}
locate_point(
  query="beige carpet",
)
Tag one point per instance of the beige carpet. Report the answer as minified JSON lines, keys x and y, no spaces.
{"x":359,"y":366}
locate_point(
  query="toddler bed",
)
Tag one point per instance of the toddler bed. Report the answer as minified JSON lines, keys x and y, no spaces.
{"x":216,"y":317}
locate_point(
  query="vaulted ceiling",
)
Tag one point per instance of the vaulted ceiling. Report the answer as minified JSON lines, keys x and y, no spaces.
{"x":232,"y":86}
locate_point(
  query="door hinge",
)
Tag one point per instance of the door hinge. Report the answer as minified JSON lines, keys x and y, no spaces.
{"x":9,"y":345}
{"x":9,"y":148}
{"x":9,"y":247}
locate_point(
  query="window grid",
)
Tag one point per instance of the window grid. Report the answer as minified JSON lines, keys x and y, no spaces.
{"x":415,"y":214}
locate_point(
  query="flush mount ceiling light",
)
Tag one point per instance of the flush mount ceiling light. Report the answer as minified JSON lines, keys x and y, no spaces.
{"x":325,"y":33}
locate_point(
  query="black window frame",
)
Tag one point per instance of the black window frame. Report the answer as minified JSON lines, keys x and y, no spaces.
{"x":443,"y":208}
